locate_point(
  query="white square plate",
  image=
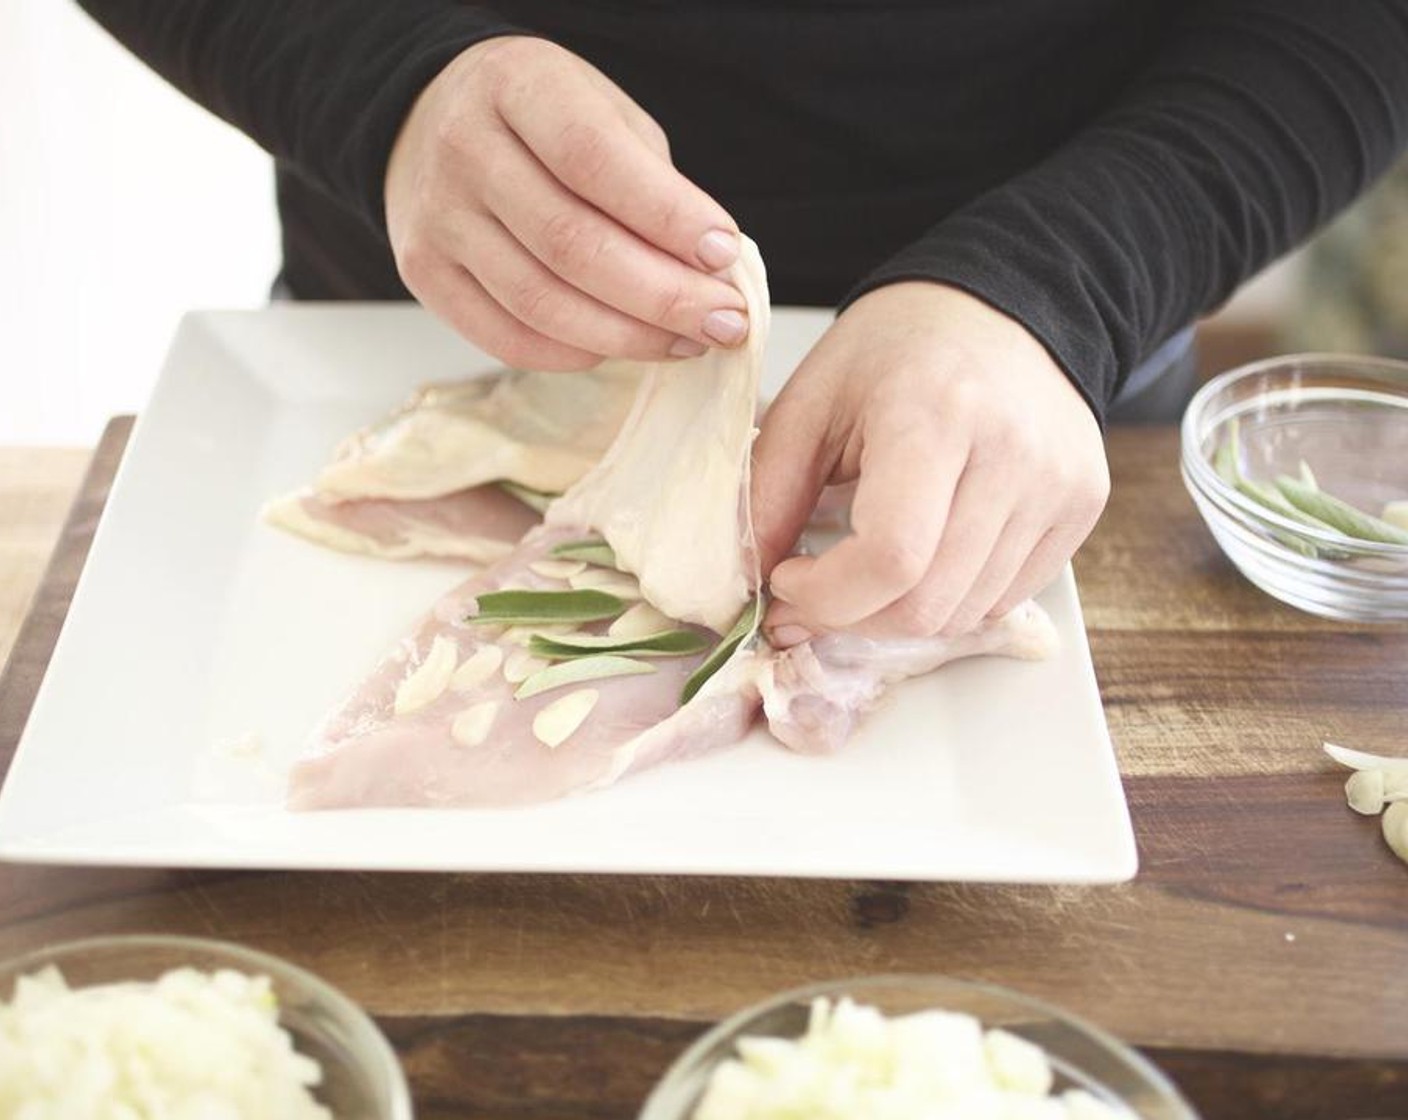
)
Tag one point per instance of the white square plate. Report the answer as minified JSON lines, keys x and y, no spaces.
{"x":196,"y":625}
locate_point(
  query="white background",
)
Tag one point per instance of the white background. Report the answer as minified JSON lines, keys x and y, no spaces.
{"x":122,"y":204}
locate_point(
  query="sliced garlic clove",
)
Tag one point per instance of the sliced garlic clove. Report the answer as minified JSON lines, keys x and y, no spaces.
{"x":520,"y":665}
{"x":555,"y":724}
{"x":1395,"y":785}
{"x":557,"y":569}
{"x":1395,"y":825}
{"x":640,"y":621}
{"x":523,"y":635}
{"x":429,"y":679}
{"x":1363,"y":760}
{"x":601,"y":579}
{"x":478,"y":667}
{"x":471,"y":726}
{"x":518,"y":635}
{"x":1365,"y":792}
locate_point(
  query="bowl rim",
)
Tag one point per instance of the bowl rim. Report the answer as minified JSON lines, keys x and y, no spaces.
{"x":255,"y":960}
{"x":1199,"y":471}
{"x":733,"y":1025}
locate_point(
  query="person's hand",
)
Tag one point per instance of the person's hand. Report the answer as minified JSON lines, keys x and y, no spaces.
{"x":981,"y":469}
{"x":533,"y":206}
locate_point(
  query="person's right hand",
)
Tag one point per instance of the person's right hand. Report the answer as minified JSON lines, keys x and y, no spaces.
{"x":533,"y":206}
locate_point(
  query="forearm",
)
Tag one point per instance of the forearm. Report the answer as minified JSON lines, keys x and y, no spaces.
{"x":324,"y":85}
{"x":1258,"y":121}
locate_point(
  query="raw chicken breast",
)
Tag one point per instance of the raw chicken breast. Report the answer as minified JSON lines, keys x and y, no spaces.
{"x":814,"y":693}
{"x":540,"y":430}
{"x":460,"y":737}
{"x":481,"y":524}
{"x":420,"y":482}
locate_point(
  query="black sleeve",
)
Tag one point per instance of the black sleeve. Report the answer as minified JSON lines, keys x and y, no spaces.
{"x":1254,"y":124}
{"x":323,"y":84}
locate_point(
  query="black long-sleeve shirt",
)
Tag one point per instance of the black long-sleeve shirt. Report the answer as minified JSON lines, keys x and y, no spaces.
{"x":1102,"y":170}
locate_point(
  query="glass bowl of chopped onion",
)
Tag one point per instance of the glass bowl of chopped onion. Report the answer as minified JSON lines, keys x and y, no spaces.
{"x":150,"y":1025}
{"x":1299,"y":467}
{"x":929,"y":1047}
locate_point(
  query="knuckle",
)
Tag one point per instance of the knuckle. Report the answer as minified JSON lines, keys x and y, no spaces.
{"x":898,"y":563}
{"x":1089,"y":495}
{"x":656,"y":138}
{"x":493,"y":165}
{"x":920,"y":616}
{"x":965,"y":398}
{"x":529,"y":300}
{"x":1018,"y":437}
{"x":667,"y":213}
{"x":641,"y":344}
{"x":521,"y":347}
{"x":415,"y":260}
{"x":519,"y":350}
{"x":1097,"y":495}
{"x":670,"y":303}
{"x":570,"y":246}
{"x":497,"y":62}
{"x":451,"y":132}
{"x":583,"y":150}
{"x":490,"y":338}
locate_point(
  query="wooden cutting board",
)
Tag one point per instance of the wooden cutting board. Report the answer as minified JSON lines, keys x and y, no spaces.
{"x":1261,"y":957}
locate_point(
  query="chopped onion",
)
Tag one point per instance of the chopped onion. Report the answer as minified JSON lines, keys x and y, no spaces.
{"x":187,"y":1044}
{"x":853,"y":1063}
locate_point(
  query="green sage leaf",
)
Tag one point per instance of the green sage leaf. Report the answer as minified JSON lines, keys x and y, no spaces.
{"x":666,"y":643}
{"x":1224,"y":460}
{"x":1225,"y":463}
{"x":743,"y":629}
{"x":1340,"y":515}
{"x":593,"y":550}
{"x":545,"y":608}
{"x":579,"y":670}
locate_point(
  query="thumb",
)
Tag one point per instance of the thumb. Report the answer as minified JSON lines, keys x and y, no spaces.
{"x":791,"y":464}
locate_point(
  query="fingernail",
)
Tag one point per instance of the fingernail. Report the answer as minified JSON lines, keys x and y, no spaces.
{"x":728,"y":328}
{"x":686,"y":348}
{"x":789,"y":634}
{"x":717,"y":249}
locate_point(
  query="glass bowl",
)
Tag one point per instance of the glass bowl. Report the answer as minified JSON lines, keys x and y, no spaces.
{"x":1347,"y":418}
{"x":362,"y":1079}
{"x":1082,"y":1056}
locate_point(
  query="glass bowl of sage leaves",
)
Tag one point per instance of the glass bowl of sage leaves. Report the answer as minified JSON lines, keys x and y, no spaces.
{"x":1299,"y":466}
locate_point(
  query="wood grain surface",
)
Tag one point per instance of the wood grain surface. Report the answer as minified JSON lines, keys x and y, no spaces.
{"x":1261,"y":956}
{"x":37,"y":485}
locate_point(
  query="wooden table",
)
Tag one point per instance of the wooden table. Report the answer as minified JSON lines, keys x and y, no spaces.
{"x":1261,"y":957}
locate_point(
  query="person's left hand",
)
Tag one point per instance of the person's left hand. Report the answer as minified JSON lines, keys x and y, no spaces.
{"x":980,"y":469}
